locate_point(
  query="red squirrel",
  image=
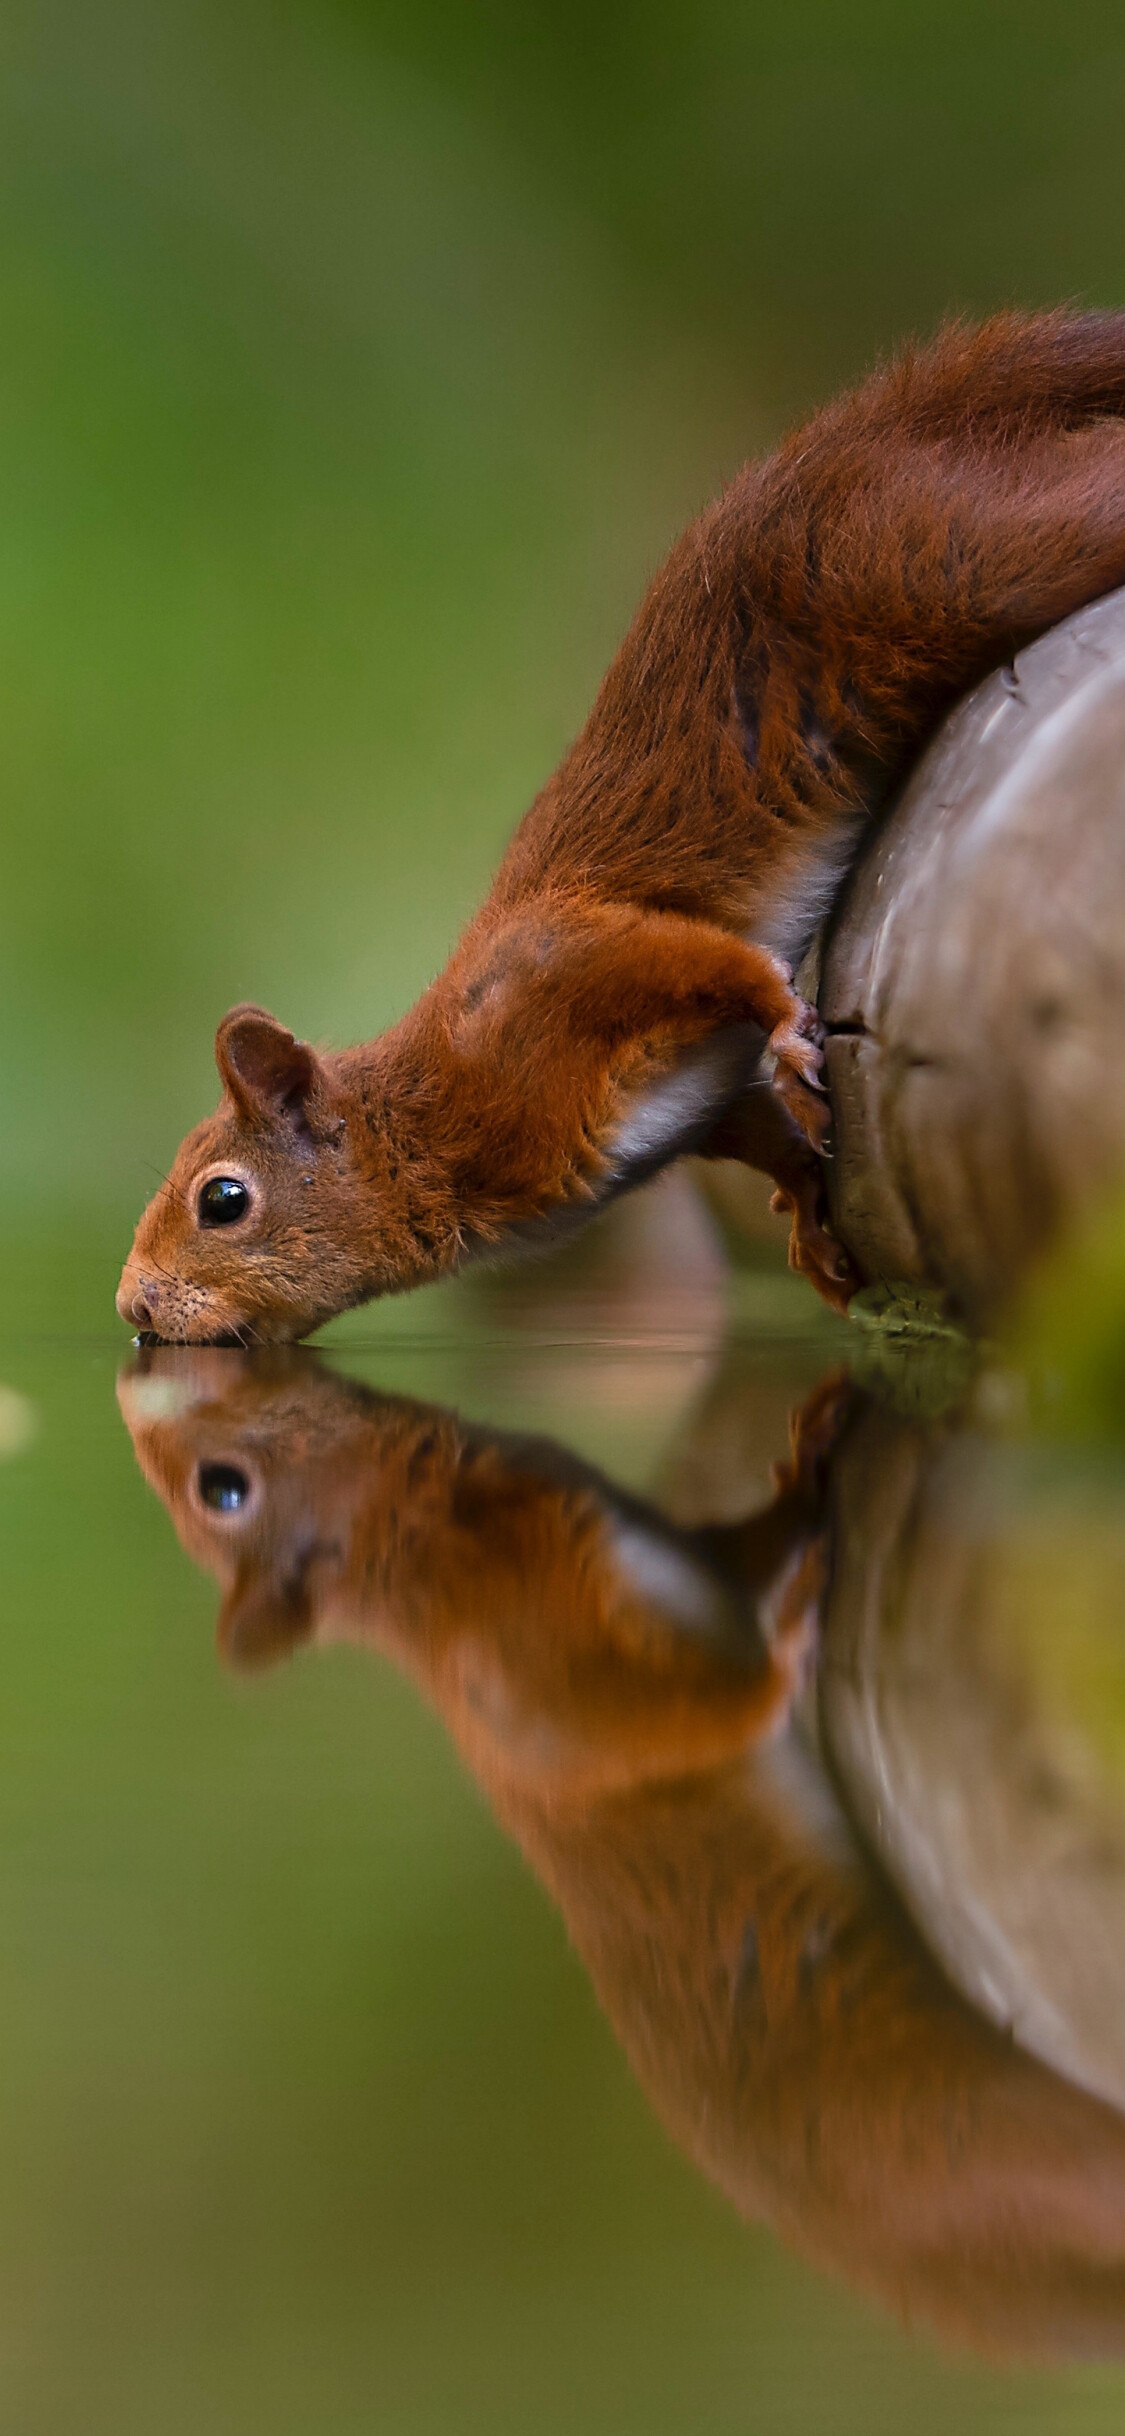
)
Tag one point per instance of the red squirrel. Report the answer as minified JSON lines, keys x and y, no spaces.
{"x":625,"y":993}
{"x":622,"y":1690}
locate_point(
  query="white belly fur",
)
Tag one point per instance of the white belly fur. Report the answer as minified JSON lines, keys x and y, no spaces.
{"x":672,"y":1115}
{"x":790,"y":921}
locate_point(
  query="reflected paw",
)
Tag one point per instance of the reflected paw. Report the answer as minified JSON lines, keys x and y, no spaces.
{"x":814,"y":1427}
{"x":790,"y":1617}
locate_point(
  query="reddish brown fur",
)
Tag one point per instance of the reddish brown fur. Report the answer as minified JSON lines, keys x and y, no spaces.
{"x":780,"y":2011}
{"x":791,"y":657}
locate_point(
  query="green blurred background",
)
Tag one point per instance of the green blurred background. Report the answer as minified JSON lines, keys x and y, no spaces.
{"x":359,"y":364}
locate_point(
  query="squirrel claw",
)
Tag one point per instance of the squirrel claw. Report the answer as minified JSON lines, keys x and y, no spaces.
{"x":798,"y":1041}
{"x":806,"y":1104}
{"x":813,"y":1251}
{"x":795,"y":1044}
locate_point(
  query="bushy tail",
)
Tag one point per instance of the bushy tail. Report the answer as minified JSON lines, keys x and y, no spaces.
{"x":803,"y":640}
{"x":922,"y":530}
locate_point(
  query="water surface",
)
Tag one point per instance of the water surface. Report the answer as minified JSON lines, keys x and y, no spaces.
{"x":487,"y":1992}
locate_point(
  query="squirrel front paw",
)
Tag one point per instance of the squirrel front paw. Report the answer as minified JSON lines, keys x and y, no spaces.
{"x":796,"y":1045}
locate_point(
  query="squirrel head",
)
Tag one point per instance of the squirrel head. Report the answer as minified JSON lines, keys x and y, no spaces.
{"x":253,"y":1235}
{"x":530,"y":1078}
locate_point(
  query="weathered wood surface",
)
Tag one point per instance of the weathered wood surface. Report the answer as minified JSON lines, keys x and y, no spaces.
{"x":973,"y":981}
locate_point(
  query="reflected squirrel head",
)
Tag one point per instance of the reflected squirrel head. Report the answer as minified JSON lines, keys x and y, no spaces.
{"x":256,"y":1235}
{"x":567,"y":1635}
{"x":262,"y":1462}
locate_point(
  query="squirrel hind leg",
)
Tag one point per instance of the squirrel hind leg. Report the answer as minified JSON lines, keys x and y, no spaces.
{"x":814,"y":1251}
{"x":765,"y":1130}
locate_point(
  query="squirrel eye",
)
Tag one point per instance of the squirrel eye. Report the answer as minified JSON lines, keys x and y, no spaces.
{"x":223,"y":1487}
{"x":223,"y":1201}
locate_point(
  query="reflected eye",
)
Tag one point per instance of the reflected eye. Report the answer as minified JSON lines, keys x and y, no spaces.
{"x":223,"y":1487}
{"x":223,"y":1201}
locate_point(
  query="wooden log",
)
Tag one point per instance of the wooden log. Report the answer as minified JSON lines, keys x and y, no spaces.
{"x":971,"y":1692}
{"x":973,"y":981}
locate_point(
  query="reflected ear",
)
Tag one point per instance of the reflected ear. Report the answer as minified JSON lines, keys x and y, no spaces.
{"x":265,"y":1070}
{"x":263,"y":1619}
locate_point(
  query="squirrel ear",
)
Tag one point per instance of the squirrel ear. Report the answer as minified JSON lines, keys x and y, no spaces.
{"x":266,"y":1071}
{"x":263,"y":1618}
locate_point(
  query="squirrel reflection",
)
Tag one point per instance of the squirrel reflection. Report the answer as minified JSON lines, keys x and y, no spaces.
{"x":624,"y":1690}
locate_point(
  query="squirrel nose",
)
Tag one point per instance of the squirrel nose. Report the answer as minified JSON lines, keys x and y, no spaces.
{"x":137,"y":1305}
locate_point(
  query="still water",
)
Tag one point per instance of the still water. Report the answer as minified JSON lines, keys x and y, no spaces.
{"x":540,"y":1891}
